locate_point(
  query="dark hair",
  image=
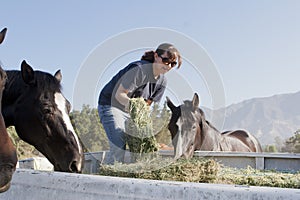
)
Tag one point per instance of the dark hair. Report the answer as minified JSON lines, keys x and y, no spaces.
{"x":172,"y":52}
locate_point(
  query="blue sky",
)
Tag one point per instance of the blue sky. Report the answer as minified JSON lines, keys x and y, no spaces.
{"x":253,"y":44}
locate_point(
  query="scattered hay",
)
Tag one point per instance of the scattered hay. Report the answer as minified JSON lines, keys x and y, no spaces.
{"x":255,"y":177}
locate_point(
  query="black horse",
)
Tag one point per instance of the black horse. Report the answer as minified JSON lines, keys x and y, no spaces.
{"x":8,"y":155}
{"x":33,"y":103}
{"x":191,"y":131}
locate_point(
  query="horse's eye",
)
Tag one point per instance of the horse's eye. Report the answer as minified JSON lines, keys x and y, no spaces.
{"x":194,"y":127}
{"x":44,"y":97}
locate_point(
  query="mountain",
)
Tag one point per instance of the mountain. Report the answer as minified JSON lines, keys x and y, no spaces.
{"x":270,"y":119}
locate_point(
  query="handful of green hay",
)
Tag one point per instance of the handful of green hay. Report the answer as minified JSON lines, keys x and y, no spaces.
{"x":139,"y":131}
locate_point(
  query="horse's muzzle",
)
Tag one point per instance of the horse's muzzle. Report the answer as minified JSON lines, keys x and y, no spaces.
{"x":75,"y":167}
{"x":6,"y":173}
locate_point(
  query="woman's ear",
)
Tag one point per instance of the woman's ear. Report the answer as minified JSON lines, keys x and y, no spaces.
{"x":155,"y":57}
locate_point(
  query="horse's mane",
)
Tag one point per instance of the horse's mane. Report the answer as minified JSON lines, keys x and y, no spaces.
{"x":47,"y":81}
{"x":203,"y":118}
{"x":44,"y":80}
{"x":211,"y":126}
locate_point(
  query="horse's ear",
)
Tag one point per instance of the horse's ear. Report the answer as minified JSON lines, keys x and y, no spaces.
{"x":27,"y":73}
{"x":170,"y":104}
{"x":2,"y":35}
{"x":58,"y":75}
{"x":195,"y":101}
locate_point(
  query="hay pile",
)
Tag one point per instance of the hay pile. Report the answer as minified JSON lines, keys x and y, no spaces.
{"x":139,"y":131}
{"x":201,"y":170}
{"x":192,"y":170}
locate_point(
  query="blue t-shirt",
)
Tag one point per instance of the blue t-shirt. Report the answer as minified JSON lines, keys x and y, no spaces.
{"x":139,"y":80}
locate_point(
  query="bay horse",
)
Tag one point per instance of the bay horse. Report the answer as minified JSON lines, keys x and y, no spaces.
{"x":8,"y":155}
{"x":190,"y":131}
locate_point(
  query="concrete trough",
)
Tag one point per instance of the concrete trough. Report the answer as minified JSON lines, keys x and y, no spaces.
{"x":32,"y":185}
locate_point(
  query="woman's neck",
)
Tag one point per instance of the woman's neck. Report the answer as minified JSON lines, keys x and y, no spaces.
{"x":155,"y":71}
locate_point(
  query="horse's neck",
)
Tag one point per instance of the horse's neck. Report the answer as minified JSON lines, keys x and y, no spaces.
{"x":13,"y":87}
{"x":211,"y":137}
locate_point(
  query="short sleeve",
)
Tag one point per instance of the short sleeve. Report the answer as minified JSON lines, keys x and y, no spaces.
{"x":132,"y":79}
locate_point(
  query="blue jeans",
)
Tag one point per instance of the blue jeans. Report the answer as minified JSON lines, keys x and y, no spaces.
{"x":113,"y":121}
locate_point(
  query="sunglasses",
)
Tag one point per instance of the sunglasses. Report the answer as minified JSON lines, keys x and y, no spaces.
{"x":167,"y":61}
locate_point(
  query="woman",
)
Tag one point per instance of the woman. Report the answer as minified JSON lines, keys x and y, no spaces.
{"x":144,"y":78}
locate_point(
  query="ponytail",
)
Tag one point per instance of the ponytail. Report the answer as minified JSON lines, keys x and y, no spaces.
{"x":148,"y":56}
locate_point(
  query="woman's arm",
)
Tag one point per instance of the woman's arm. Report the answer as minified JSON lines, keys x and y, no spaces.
{"x":122,"y":98}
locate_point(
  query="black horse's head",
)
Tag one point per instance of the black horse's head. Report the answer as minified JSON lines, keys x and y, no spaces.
{"x":41,"y":118}
{"x":184,"y":127}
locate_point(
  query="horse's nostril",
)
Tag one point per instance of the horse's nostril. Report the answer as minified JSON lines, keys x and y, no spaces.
{"x":73,"y":167}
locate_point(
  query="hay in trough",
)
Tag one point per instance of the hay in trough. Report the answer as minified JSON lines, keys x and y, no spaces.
{"x":254,"y":177}
{"x":139,"y":131}
{"x":192,"y":170}
{"x":201,"y":170}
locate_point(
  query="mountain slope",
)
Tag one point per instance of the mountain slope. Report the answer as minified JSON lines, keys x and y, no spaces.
{"x":268,"y":118}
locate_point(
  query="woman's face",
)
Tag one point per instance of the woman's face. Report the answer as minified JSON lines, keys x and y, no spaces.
{"x":163,"y":64}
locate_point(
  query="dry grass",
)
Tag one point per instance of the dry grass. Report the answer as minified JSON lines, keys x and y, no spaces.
{"x":200,"y":170}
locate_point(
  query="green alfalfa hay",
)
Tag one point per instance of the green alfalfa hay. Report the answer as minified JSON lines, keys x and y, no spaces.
{"x":139,"y":132}
{"x":192,"y":170}
{"x":201,"y":170}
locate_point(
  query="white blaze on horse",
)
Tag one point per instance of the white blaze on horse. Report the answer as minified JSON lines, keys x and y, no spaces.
{"x":190,"y":131}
